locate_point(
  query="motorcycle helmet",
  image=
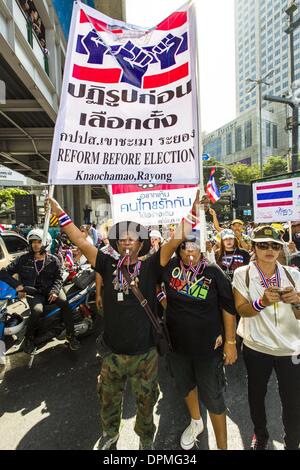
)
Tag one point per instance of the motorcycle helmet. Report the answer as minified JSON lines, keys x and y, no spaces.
{"x":37,"y":234}
{"x":13,"y":324}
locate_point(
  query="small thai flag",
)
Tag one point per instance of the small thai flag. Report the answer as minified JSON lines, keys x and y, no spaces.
{"x":69,"y":257}
{"x":211,"y":189}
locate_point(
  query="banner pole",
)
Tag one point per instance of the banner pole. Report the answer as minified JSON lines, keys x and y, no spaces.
{"x":290,"y":231}
{"x":47,"y":216}
{"x":203,"y":229}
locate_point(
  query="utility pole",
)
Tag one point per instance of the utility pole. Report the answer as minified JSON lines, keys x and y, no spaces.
{"x":259,"y":82}
{"x":293,"y":24}
{"x":293,"y":100}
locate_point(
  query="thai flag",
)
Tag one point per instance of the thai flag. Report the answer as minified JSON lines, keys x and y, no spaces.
{"x":211,"y":189}
{"x":69,"y":257}
{"x":274,"y":194}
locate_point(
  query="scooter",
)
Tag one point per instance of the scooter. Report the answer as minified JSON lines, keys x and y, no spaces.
{"x":13,"y":325}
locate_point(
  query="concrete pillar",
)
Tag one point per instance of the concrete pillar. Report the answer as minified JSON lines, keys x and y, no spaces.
{"x":82,"y":197}
{"x":68,"y":200}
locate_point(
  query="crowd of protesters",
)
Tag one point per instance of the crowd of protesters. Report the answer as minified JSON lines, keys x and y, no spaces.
{"x":247,"y":277}
{"x":247,"y":283}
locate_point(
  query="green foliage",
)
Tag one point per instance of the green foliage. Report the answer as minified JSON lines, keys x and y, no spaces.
{"x":275,"y":166}
{"x":243,"y":173}
{"x":7,"y":197}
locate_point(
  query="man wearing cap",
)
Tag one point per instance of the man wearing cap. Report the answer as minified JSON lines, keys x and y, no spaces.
{"x":128,"y":334}
{"x":237,"y":226}
{"x":267,"y":299}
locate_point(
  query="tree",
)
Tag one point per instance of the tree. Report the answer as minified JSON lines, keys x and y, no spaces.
{"x":7,"y":197}
{"x":244,"y":174}
{"x":275,"y":166}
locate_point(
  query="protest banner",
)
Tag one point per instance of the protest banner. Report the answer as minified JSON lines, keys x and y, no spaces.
{"x":128,"y":112}
{"x":276,"y":201}
{"x":159,"y":205}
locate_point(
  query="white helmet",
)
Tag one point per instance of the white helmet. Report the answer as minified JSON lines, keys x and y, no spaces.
{"x":37,"y":234}
{"x":13,"y":324}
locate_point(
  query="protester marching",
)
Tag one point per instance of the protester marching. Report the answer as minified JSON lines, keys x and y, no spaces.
{"x":167,"y":283}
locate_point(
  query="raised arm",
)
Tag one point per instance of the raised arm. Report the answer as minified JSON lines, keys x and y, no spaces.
{"x":183,"y":229}
{"x":75,"y":235}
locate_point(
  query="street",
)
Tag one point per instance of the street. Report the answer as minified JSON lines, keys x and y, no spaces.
{"x":54,"y":405}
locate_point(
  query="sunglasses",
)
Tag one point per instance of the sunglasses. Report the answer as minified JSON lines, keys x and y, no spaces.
{"x":265,"y":246}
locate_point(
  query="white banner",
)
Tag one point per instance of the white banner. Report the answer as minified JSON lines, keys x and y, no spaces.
{"x":276,"y":201}
{"x":160,"y":205}
{"x":128,"y":112}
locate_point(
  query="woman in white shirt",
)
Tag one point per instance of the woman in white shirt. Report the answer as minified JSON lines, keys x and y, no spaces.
{"x":266,"y":298}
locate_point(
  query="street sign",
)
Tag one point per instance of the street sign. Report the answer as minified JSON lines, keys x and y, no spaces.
{"x":225,"y":188}
{"x":206,"y":157}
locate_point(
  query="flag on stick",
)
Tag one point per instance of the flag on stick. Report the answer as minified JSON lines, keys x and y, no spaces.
{"x":211,"y":189}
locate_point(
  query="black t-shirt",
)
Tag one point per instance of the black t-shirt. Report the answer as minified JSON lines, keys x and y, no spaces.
{"x":127,"y":328}
{"x":232,"y":260}
{"x":194,"y":314}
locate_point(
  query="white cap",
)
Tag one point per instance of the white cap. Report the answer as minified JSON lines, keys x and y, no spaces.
{"x":155,"y":234}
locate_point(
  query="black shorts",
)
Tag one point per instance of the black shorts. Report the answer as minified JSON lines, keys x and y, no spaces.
{"x":205,"y":373}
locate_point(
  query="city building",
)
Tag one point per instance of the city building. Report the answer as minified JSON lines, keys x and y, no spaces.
{"x":238,"y":140}
{"x":262,"y":46}
{"x":262,"y":49}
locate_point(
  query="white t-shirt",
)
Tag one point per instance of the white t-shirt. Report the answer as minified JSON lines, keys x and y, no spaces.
{"x":261,"y":332}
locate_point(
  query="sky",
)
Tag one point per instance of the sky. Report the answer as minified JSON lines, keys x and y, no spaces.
{"x":217,"y":51}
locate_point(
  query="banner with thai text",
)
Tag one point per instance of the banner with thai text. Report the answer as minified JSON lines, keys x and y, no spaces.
{"x":128,"y":112}
{"x":276,"y":201}
{"x":158,"y":205}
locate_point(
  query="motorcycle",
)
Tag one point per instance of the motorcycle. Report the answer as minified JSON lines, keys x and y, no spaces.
{"x":13,"y":325}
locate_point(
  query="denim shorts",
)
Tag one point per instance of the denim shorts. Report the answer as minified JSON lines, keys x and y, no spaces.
{"x":205,"y":373}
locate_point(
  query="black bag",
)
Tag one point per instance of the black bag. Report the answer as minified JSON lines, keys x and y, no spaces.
{"x":163,"y":341}
{"x":84,"y":278}
{"x":163,"y":344}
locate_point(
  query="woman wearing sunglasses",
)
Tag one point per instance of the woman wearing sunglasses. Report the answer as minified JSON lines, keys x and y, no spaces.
{"x":201,"y":321}
{"x":266,"y":297}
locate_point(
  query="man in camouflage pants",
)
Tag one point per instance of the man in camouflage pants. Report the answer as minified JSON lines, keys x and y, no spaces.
{"x":143,"y":373}
{"x":128,"y":337}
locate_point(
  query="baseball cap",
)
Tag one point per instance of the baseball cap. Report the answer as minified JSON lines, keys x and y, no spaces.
{"x":237,"y":221}
{"x":266,"y":234}
{"x":155,"y":234}
{"x":227,"y":233}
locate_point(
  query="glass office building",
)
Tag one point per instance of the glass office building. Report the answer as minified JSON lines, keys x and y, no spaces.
{"x":262,"y":45}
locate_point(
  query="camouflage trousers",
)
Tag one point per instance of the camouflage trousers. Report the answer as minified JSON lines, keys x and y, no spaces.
{"x":142,"y":370}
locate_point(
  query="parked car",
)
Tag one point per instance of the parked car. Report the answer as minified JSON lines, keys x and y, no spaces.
{"x":11,"y":245}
